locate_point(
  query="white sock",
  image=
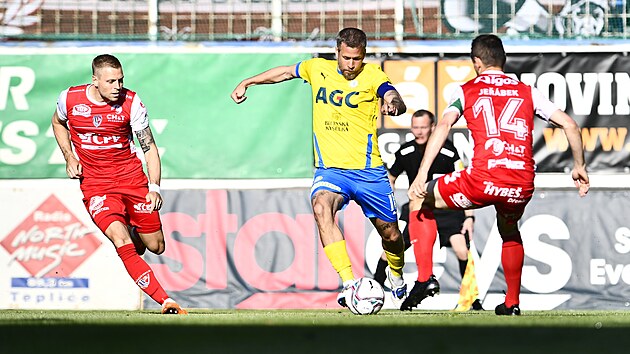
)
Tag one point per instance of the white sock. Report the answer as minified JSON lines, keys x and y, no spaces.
{"x":396,"y":280}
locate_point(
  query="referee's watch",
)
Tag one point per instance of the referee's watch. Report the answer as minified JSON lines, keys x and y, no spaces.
{"x":470,"y":217}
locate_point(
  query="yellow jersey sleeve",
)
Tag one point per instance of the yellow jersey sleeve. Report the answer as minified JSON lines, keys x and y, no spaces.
{"x":344,"y":114}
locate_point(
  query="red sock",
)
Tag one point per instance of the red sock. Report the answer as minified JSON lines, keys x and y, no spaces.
{"x":422,"y":233}
{"x":512,"y":260}
{"x":141,"y":273}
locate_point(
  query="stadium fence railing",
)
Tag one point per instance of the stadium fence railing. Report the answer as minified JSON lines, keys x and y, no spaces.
{"x":308,"y":20}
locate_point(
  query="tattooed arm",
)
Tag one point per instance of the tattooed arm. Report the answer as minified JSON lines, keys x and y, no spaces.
{"x":393,"y":104}
{"x":154,"y":165}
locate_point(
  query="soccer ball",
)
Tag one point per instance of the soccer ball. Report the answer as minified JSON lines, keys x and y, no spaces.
{"x":366,"y":297}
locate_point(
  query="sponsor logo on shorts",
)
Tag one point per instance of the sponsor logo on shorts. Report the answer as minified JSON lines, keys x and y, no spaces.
{"x":461,"y":201}
{"x":491,"y":189}
{"x":82,"y":110}
{"x":97,"y":205}
{"x":142,"y":208}
{"x":144,"y":280}
{"x":452,"y":177}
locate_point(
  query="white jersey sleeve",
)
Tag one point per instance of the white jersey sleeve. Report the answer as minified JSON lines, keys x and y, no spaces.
{"x":62,"y":110}
{"x":543,"y":107}
{"x":456,"y":103}
{"x":139,"y":118}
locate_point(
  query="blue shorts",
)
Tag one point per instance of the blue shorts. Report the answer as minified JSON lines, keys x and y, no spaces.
{"x":370,"y":188}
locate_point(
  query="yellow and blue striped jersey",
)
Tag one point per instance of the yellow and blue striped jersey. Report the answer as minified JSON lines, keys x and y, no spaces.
{"x":344,"y":114}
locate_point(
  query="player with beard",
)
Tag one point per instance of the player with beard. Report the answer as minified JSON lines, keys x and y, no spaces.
{"x":345,"y":97}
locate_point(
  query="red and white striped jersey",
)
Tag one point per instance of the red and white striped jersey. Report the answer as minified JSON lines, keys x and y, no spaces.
{"x":499,"y":112}
{"x":101,"y":132}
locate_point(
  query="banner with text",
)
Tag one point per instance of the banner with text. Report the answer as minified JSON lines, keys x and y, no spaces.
{"x":52,"y":255}
{"x":200,"y":131}
{"x":260,"y":249}
{"x":591,"y":87}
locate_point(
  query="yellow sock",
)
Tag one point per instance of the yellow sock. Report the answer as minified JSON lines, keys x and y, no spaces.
{"x":338,"y":256}
{"x":396,"y":262}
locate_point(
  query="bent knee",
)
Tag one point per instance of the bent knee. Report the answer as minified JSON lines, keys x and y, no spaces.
{"x":325,"y":205}
{"x":461,"y":255}
{"x":391,"y":233}
{"x":319,"y":210}
{"x":156,"y":248}
{"x":154,"y":242}
{"x":507,"y":230}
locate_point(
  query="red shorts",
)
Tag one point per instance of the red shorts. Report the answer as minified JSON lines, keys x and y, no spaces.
{"x":109,"y":201}
{"x":462,"y":191}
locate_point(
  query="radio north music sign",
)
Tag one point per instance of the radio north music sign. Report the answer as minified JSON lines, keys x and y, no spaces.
{"x":54,"y":257}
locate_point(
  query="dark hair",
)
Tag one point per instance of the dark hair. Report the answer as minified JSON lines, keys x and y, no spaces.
{"x":352,"y":37}
{"x":105,"y":60}
{"x":422,"y":112}
{"x":488,"y":48}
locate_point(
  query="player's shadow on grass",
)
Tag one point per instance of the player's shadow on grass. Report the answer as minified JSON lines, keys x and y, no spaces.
{"x":216,"y":338}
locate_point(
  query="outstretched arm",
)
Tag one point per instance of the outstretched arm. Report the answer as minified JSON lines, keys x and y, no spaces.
{"x":271,"y":76}
{"x":574,"y":137}
{"x":74,"y":169}
{"x":418,"y":187}
{"x":393,"y":104}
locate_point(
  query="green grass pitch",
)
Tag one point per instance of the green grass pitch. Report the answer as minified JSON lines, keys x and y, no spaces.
{"x":313,"y":331}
